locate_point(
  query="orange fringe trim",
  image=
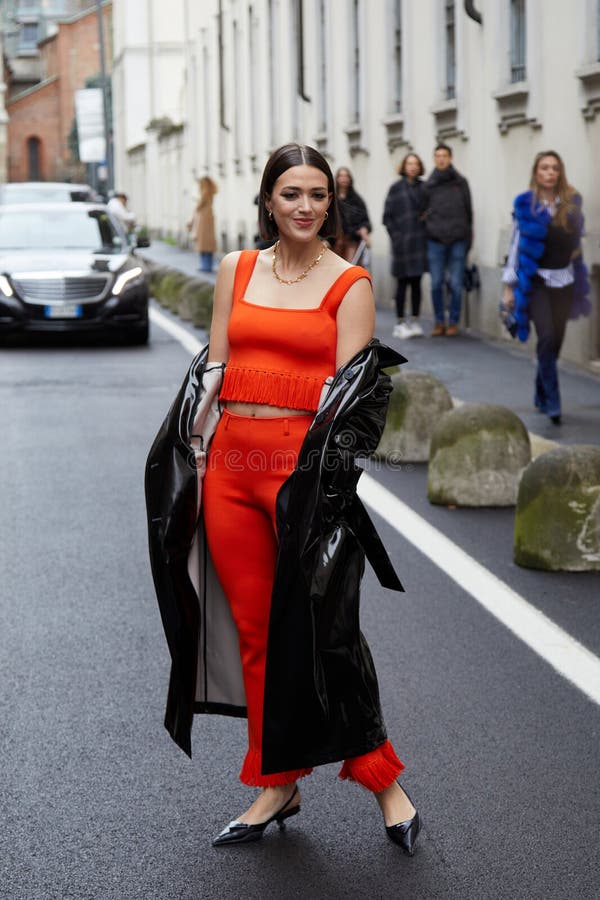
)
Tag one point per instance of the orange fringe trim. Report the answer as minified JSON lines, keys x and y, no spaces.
{"x":375,"y":770}
{"x":252,"y":776}
{"x":285,"y":389}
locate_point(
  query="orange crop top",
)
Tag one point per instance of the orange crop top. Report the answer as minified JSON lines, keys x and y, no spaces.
{"x":278,"y":356}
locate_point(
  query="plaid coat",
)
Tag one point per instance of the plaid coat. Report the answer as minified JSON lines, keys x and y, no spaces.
{"x":402,"y":217}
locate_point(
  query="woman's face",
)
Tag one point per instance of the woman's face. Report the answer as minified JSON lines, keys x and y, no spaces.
{"x":412,"y":167}
{"x":343,"y":179}
{"x":299,"y":202}
{"x":547,"y":173}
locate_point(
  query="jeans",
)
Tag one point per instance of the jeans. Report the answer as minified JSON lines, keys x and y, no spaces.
{"x":449,"y":257}
{"x":549,"y":309}
{"x":206,"y":262}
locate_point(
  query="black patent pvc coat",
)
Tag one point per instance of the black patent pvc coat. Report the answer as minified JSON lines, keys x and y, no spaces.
{"x":321,"y":696}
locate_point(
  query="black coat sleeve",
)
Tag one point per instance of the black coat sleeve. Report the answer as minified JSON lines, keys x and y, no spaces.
{"x":388,"y":211}
{"x":365,"y":222}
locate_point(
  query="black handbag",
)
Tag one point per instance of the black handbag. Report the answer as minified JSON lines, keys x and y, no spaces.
{"x":471,"y":279}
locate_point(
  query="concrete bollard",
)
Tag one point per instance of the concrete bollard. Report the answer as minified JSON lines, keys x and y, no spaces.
{"x":478,"y":452}
{"x":416,"y":404}
{"x":557,"y":522}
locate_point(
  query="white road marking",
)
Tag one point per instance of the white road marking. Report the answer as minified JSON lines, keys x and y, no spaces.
{"x":181,"y":334}
{"x":570,"y":658}
{"x":566,"y":655}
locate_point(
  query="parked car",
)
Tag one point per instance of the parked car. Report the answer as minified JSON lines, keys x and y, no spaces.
{"x":47,"y":192}
{"x":69,"y":267}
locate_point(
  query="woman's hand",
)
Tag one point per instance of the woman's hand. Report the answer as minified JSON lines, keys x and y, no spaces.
{"x":508,"y":297}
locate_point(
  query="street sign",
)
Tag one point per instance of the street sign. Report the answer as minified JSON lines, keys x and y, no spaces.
{"x":89,"y":112}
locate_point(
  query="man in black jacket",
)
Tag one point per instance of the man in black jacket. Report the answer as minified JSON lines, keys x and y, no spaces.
{"x":449,"y":225}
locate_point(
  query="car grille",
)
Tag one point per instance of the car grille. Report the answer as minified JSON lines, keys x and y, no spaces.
{"x":55,"y":289}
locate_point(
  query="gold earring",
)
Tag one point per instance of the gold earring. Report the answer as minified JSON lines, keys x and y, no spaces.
{"x":326,"y":216}
{"x":270,"y":214}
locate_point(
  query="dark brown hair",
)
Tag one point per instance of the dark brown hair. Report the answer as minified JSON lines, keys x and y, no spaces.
{"x":280,"y":161}
{"x":442,"y":146}
{"x":564,"y":191}
{"x":345,"y":169}
{"x":402,"y":166}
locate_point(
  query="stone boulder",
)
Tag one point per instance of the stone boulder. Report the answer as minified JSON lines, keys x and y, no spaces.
{"x":557,"y":522}
{"x":478,"y":453}
{"x":416,"y":403}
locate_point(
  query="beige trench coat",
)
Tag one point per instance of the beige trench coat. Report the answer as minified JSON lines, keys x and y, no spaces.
{"x":202,"y":225}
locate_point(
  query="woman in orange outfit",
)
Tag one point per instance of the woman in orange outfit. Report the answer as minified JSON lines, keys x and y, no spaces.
{"x":284,"y":320}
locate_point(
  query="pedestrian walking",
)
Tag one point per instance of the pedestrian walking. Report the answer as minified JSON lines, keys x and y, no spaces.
{"x":545,"y":278}
{"x":403,"y":218}
{"x":274,"y":634}
{"x":117,"y":205}
{"x":202,"y":224}
{"x":449,"y":226}
{"x":355,"y":223}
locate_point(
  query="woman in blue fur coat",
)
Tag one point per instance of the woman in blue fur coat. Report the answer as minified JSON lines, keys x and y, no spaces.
{"x":545,"y":279}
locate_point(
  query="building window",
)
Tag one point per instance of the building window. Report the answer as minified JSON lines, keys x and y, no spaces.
{"x":355,"y":64}
{"x":273,"y":71}
{"x":396,"y":56}
{"x":322,"y":91}
{"x":449,"y":22}
{"x":394,"y":121}
{"x":252,"y":88}
{"x":518,"y":67}
{"x":34,"y":159}
{"x":237,"y":152}
{"x":207,"y":107}
{"x":29,"y":34}
{"x":296,"y":62}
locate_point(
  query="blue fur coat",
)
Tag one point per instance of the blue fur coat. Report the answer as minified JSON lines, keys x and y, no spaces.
{"x":533,"y":219}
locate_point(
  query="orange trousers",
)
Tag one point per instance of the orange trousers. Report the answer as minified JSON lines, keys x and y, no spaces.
{"x":249,"y":460}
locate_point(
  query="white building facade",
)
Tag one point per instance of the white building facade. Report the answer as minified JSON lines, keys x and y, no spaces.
{"x":212,"y":87}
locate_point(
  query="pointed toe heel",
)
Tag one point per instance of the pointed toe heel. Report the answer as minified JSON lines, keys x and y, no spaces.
{"x":405,"y":833}
{"x":241,"y":833}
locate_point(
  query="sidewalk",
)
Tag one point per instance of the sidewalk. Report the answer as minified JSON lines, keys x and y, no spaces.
{"x":186,"y":261}
{"x":474,"y":369}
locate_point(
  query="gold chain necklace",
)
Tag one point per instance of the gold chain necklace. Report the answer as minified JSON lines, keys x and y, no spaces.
{"x":303,"y":274}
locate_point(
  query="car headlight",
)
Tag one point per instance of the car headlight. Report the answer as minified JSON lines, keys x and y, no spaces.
{"x":5,"y":287}
{"x":125,"y":278}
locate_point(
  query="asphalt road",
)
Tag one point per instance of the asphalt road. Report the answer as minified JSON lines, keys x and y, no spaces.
{"x":97,"y":802}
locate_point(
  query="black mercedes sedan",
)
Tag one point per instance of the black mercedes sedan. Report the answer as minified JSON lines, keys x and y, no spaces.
{"x":69,"y":268}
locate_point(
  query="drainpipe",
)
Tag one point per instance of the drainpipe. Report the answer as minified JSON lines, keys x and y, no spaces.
{"x":222,"y":121}
{"x":300,"y":51}
{"x":472,"y":12}
{"x":108,"y":152}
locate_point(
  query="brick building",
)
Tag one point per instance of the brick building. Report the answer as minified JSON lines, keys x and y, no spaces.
{"x":41,"y":116}
{"x":3,"y":122}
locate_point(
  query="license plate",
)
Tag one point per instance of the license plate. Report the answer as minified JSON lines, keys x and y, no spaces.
{"x":63,"y":311}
